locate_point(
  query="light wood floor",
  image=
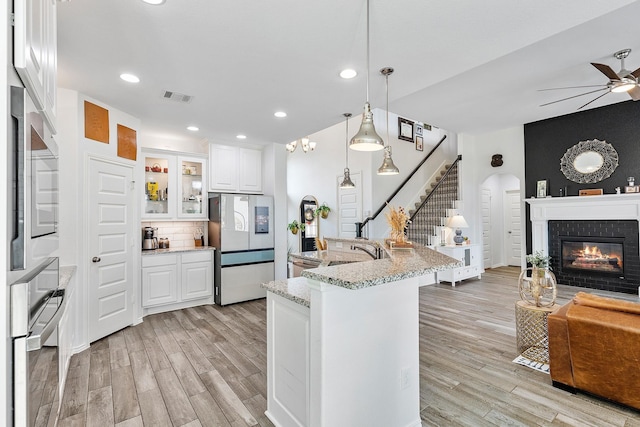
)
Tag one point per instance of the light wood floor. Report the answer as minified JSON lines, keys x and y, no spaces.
{"x":206,"y":366}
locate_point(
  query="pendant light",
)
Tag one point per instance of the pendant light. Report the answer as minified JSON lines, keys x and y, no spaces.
{"x":346,"y":181}
{"x":367,"y":138}
{"x":387,"y":168}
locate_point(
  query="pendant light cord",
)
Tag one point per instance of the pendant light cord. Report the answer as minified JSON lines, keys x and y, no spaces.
{"x":368,"y":51}
{"x":347,"y":139}
{"x":387,"y":84}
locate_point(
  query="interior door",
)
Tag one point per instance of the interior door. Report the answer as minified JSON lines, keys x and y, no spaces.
{"x":349,"y":206}
{"x":111,"y":228}
{"x":513,"y":241}
{"x":485,"y":207}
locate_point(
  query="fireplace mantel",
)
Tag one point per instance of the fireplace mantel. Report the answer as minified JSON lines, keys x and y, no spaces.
{"x":575,"y":208}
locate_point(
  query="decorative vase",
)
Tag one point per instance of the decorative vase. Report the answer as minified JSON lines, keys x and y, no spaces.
{"x":539,"y":289}
{"x":294,"y":230}
{"x":324,"y":214}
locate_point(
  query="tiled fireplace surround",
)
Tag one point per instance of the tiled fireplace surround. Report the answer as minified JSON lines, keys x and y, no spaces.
{"x":595,"y":216}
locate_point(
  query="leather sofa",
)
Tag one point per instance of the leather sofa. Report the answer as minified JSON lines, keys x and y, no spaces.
{"x":594,"y":346}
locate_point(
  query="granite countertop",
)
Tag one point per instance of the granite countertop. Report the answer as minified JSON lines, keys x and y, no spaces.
{"x":362,"y":273}
{"x":173,"y":250}
{"x":327,"y":258}
{"x":66,"y":273}
{"x":400,"y":264}
{"x":295,"y":289}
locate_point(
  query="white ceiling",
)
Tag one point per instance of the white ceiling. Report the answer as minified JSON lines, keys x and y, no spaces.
{"x":464,"y":65}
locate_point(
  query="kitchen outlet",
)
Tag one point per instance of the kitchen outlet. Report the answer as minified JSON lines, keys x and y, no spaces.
{"x":404,"y":378}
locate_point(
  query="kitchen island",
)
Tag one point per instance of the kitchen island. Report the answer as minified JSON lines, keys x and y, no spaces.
{"x":343,"y":342}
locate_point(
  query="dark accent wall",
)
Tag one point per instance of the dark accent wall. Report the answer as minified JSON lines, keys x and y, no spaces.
{"x":546,"y":141}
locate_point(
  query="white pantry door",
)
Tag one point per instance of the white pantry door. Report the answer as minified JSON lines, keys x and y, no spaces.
{"x":513,"y":228}
{"x":486,"y":227}
{"x":349,"y":206}
{"x":110,"y":256}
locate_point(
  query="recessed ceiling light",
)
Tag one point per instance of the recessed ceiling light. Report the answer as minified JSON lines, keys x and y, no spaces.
{"x":193,"y":128}
{"x":348,"y":73}
{"x":129,"y":78}
{"x":280,"y":114}
{"x":241,"y":136}
{"x":155,"y":2}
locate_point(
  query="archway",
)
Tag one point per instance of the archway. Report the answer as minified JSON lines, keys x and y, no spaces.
{"x":502,"y":230}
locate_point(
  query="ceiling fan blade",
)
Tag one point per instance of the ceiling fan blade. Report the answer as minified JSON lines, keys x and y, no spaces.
{"x":635,"y":93}
{"x":636,"y":73}
{"x":606,"y":70}
{"x":569,"y":87}
{"x":575,"y":96}
{"x":594,"y":99}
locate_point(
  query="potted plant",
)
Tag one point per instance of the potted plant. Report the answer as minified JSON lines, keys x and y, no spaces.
{"x":323,"y":211}
{"x":539,"y":283}
{"x":294,"y":226}
{"x":539,"y":261}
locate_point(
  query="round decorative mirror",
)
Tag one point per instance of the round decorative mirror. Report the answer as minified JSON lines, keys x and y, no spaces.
{"x":589,"y":161}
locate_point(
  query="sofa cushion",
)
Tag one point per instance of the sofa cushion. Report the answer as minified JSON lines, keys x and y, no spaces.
{"x":590,"y":300}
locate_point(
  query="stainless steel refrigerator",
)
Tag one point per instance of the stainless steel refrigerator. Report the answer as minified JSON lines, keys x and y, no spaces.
{"x":241,"y":229}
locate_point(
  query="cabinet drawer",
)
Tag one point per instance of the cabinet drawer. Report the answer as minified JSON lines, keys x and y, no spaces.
{"x":199,"y":256}
{"x":158,"y":260}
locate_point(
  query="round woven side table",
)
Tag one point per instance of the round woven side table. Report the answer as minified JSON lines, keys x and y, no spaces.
{"x":532,"y":336}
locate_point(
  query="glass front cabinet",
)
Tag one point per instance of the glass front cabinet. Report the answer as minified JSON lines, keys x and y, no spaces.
{"x":173,"y":186}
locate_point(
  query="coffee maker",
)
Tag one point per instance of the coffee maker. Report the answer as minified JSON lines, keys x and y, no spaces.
{"x":149,"y":240}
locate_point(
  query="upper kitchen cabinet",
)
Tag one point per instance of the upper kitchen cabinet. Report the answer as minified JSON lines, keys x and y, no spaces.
{"x":235,"y":169}
{"x":35,"y":53}
{"x":173,"y":185}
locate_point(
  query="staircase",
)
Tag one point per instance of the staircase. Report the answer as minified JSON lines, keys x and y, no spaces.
{"x":439,"y":202}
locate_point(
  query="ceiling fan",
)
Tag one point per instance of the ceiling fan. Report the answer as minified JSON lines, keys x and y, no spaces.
{"x":622,"y":81}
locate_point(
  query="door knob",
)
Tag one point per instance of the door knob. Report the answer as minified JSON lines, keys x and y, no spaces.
{"x":95,"y":259}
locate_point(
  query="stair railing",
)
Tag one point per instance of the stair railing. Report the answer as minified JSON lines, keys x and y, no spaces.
{"x":360,"y":225}
{"x":430,"y":213}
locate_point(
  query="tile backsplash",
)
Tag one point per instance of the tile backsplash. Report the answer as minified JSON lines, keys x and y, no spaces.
{"x":179,"y":233}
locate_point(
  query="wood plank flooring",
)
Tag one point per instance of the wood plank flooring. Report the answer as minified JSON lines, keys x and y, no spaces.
{"x":206,"y":366}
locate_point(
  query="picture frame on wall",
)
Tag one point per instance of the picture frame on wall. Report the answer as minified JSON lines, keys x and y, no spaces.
{"x":419,"y":143}
{"x":419,"y":129}
{"x":405,"y":129}
{"x":542,"y":188}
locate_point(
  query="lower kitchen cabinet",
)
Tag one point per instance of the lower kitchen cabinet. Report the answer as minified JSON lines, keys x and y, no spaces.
{"x":470,"y":255}
{"x":170,"y":279}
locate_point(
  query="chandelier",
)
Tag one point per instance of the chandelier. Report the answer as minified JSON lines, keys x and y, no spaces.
{"x":305,"y":144}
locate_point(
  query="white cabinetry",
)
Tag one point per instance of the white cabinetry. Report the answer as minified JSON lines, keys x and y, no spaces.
{"x":35,"y":53}
{"x":170,"y":279}
{"x":173,"y":186}
{"x":469,"y":255}
{"x":196,"y":275}
{"x":159,"y":279}
{"x":235,"y":169}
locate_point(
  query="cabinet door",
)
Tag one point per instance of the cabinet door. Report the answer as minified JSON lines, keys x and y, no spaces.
{"x":158,"y":198}
{"x":159,"y":285}
{"x":197,"y":280}
{"x":192,"y":177}
{"x":250,"y":170}
{"x":50,"y":75}
{"x":223,"y":170}
{"x":30,"y":46}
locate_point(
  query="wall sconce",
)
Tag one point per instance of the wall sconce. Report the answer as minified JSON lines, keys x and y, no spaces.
{"x":304,"y":143}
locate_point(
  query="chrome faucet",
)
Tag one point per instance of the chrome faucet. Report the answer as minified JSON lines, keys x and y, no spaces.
{"x":375,"y":253}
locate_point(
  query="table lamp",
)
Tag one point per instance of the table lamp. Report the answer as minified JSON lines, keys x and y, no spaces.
{"x":457,"y":222}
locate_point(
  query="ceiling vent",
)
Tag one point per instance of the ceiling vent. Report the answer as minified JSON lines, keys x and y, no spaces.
{"x":175,"y":96}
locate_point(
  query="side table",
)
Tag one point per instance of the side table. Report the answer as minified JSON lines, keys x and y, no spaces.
{"x":531,"y":331}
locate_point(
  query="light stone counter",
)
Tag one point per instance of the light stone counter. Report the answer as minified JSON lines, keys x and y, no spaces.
{"x":173,"y":250}
{"x":400,"y":264}
{"x":295,"y":289}
{"x":327,"y":258}
{"x":66,"y":273}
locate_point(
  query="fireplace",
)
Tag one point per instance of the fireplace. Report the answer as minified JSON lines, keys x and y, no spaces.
{"x":596,"y":254}
{"x":593,"y":255}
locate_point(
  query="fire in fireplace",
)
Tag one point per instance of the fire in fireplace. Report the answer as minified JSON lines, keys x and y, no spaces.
{"x":593,"y":255}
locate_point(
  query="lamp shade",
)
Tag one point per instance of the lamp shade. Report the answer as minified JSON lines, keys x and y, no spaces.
{"x":457,"y":221}
{"x":367,"y":139}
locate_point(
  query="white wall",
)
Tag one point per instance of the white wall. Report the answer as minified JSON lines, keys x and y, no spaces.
{"x":74,"y":152}
{"x":274,"y":182}
{"x":475,"y":168}
{"x":314,"y":173}
{"x":173,"y":143}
